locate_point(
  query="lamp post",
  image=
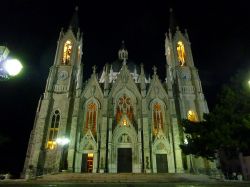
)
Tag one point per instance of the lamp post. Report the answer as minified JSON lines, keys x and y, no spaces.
{"x":63,"y":142}
{"x":9,"y":67}
{"x":190,"y":157}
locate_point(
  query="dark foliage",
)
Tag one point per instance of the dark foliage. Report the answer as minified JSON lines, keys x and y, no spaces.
{"x":227,"y":127}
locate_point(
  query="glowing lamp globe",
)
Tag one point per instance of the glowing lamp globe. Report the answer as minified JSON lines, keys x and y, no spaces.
{"x":62,"y":141}
{"x":13,"y":66}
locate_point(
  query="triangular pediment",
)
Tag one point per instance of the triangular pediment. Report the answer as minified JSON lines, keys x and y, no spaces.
{"x":124,"y":121}
{"x":88,"y":141}
{"x":92,"y":89}
{"x":69,"y":35}
{"x":161,"y":144}
{"x":179,"y":36}
{"x":124,"y":80}
{"x":156,"y":89}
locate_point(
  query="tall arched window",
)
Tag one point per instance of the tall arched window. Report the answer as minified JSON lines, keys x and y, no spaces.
{"x":191,"y":115}
{"x":67,"y":49}
{"x":91,"y":117}
{"x":53,"y":130}
{"x":157,"y":118}
{"x":124,"y":107}
{"x":181,"y":53}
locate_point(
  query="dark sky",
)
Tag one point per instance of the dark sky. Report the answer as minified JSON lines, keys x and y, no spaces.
{"x":219,"y":33}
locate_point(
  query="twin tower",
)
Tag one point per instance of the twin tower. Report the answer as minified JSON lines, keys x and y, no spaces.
{"x":120,"y":119}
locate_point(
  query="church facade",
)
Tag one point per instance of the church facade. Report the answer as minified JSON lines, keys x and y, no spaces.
{"x":120,"y":120}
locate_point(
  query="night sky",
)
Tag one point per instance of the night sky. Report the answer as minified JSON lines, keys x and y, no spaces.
{"x":219,"y":33}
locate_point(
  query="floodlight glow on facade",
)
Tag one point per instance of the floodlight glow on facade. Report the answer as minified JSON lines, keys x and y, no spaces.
{"x":62,"y":141}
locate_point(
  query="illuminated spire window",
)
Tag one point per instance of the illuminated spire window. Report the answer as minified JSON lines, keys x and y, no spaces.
{"x":192,"y":116}
{"x":53,"y":130}
{"x":181,"y":53}
{"x":67,"y":49}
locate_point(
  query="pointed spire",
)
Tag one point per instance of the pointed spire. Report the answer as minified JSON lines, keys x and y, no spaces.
{"x":74,"y":23}
{"x":142,"y":69}
{"x":106,"y":81}
{"x":135,"y":70}
{"x":142,"y":81}
{"x":111,"y":69}
{"x":186,"y":34}
{"x":172,"y":21}
{"x":155,"y":70}
{"x":123,"y":53}
{"x":123,"y":45}
{"x":94,"y":69}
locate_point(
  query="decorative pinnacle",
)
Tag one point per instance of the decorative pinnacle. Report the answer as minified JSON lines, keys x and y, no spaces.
{"x":123,"y":53}
{"x":94,"y":69}
{"x":155,"y":70}
{"x":124,"y":62}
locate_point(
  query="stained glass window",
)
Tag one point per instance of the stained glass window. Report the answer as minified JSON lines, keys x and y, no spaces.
{"x":91,"y":117}
{"x":124,"y":107}
{"x":53,"y":130}
{"x":67,"y":49}
{"x":157,"y":118}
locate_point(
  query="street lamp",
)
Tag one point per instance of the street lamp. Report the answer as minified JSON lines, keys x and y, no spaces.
{"x":9,"y":67}
{"x":63,"y":142}
{"x":190,"y":157}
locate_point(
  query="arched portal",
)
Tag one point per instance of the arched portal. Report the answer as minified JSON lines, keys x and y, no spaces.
{"x":125,"y":154}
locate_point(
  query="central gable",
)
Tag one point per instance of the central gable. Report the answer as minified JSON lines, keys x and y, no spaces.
{"x":124,"y":80}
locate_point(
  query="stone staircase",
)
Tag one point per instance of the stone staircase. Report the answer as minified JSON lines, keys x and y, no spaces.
{"x":123,"y":178}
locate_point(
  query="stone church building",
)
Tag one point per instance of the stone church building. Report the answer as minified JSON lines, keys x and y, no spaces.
{"x":120,"y":119}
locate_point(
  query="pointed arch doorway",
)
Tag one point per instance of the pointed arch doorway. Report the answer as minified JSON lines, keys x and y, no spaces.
{"x":124,"y":160}
{"x":126,"y":150}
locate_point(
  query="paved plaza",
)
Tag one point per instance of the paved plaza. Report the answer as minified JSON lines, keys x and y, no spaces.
{"x":123,"y":180}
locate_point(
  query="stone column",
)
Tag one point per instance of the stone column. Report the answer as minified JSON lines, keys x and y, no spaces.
{"x":73,"y":136}
{"x":146,"y":148}
{"x":38,"y":139}
{"x":176,"y":146}
{"x":103,"y":142}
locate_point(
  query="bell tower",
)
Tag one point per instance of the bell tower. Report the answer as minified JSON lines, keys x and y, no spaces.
{"x":183,"y":76}
{"x":184,"y":84}
{"x":65,"y":72}
{"x":56,"y":111}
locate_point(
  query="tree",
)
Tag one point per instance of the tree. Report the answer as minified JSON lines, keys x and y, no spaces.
{"x":227,"y":127}
{"x":200,"y":138}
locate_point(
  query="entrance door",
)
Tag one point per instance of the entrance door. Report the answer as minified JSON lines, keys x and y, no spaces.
{"x":161,"y":163}
{"x":124,"y":160}
{"x":87,"y":163}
